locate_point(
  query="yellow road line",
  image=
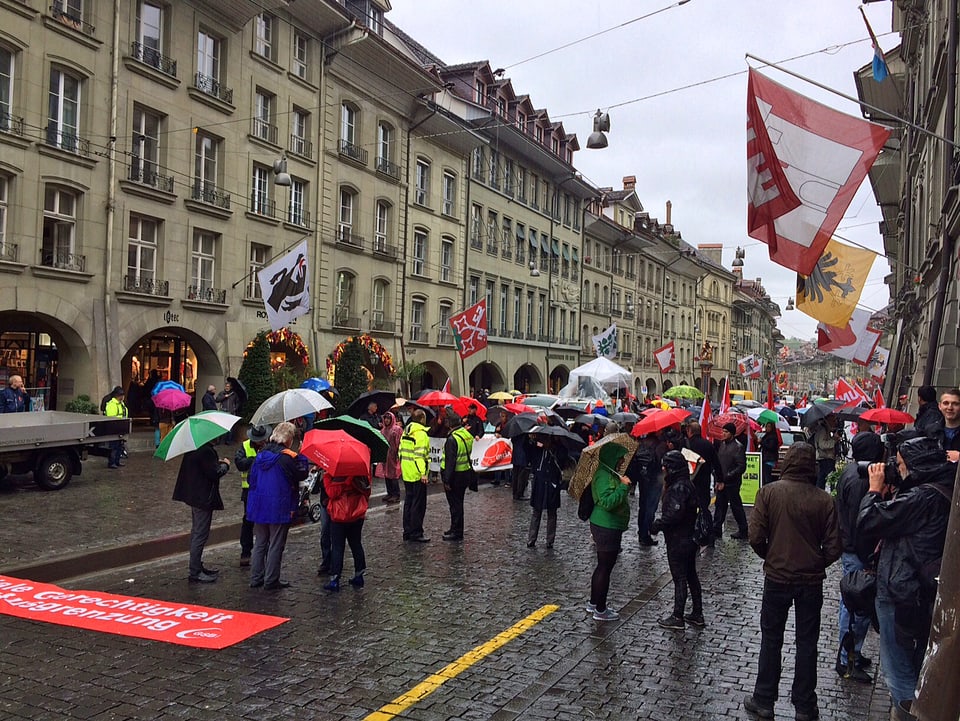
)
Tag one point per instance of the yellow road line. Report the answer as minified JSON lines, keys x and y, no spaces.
{"x":452,"y":670}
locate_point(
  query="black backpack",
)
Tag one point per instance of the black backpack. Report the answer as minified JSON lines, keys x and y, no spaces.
{"x":103,"y":403}
{"x":585,"y":507}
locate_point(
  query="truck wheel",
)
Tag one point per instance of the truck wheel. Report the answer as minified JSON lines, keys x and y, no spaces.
{"x":53,"y":472}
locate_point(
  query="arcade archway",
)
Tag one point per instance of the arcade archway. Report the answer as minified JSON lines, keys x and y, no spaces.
{"x":559,"y":377}
{"x":487,"y":376}
{"x":434,"y":376}
{"x":527,"y":379}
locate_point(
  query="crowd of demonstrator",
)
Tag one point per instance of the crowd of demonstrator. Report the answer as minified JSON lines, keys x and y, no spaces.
{"x":892,"y":503}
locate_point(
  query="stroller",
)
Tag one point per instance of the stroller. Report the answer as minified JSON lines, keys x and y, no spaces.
{"x":308,"y":487}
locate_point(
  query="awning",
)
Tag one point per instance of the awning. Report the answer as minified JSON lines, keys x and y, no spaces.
{"x":576,"y":255}
{"x":556,"y":247}
{"x":533,"y":239}
{"x":566,"y":252}
{"x":521,"y":232}
{"x":544,"y":244}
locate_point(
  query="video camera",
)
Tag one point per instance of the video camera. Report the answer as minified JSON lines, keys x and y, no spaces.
{"x":891,"y":474}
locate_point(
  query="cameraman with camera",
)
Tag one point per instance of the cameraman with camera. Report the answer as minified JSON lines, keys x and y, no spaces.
{"x":907,"y":513}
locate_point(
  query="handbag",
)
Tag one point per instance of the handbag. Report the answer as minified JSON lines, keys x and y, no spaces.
{"x":703,"y":529}
{"x":858,"y":589}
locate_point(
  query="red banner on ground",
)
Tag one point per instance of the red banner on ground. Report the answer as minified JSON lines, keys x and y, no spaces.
{"x":183,"y":624}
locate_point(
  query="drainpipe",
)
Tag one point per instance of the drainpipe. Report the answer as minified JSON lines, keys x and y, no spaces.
{"x":406,"y":234}
{"x":110,"y":326}
{"x":949,"y":169}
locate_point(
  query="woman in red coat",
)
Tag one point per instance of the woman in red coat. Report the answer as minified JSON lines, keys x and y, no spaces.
{"x":349,"y":498}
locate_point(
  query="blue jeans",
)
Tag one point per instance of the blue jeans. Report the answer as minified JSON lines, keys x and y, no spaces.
{"x":807,"y":601}
{"x":861,"y":624}
{"x":900,"y":668}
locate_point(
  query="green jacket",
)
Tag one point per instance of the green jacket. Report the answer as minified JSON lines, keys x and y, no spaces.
{"x":611,"y":507}
{"x":414,"y":453}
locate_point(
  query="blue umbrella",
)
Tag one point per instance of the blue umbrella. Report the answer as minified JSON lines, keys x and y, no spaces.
{"x":163,"y":385}
{"x":317,"y":384}
{"x":787,"y":412}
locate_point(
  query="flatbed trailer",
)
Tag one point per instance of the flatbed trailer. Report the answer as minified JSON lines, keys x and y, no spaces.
{"x":53,"y":444}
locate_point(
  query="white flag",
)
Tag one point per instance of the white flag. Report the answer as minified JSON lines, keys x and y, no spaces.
{"x":750,"y":366}
{"x":285,"y":286}
{"x":605,"y":344}
{"x":878,"y":363}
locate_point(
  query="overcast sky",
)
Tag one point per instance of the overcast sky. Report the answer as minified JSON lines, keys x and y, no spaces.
{"x":685,"y":145}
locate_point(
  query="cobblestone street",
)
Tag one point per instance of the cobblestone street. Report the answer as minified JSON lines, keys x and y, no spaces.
{"x":346,"y":655}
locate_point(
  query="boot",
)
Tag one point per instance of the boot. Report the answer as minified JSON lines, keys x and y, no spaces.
{"x":333,"y":584}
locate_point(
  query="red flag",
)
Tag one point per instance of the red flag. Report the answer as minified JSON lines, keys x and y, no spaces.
{"x":447,"y":386}
{"x":878,"y":398}
{"x":704,"y":417}
{"x":805,"y":162}
{"x":470,"y":329}
{"x":856,"y":341}
{"x":666,"y":357}
{"x":846,"y":393}
{"x":725,"y":397}
{"x":771,"y":404}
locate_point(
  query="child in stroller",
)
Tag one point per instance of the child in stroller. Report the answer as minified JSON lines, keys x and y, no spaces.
{"x":309,"y":486}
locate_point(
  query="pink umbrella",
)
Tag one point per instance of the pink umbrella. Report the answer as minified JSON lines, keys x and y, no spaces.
{"x":172,"y":399}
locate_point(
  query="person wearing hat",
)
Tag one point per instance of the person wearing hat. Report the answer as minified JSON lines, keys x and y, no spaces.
{"x":794,"y":529}
{"x":909,"y":520}
{"x":115,"y":408}
{"x":678,"y":514}
{"x":457,"y":473}
{"x":600,"y":408}
{"x":257,"y":437}
{"x":733,"y":462}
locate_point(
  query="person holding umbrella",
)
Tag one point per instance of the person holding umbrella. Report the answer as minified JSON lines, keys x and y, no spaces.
{"x":272,"y":501}
{"x":348,"y":502}
{"x":231,"y":401}
{"x":546,"y":460}
{"x":198,"y":485}
{"x":608,"y":520}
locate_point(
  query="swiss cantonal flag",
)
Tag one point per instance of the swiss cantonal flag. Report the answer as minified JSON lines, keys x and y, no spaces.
{"x":666,"y":357}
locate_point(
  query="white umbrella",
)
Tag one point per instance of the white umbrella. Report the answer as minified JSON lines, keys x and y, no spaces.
{"x":191,"y":433}
{"x":289,"y":404}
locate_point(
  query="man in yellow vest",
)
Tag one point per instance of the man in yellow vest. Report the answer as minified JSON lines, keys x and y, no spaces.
{"x":414,"y":469}
{"x":257,"y":436}
{"x":115,"y":408}
{"x":457,"y":473}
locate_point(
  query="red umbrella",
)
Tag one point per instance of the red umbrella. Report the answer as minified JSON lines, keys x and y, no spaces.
{"x":337,"y":452}
{"x":715,"y":427}
{"x":437,"y":398}
{"x":172,"y":399}
{"x":886,"y":416}
{"x":654,"y":423}
{"x":519,"y":408}
{"x":465,"y":403}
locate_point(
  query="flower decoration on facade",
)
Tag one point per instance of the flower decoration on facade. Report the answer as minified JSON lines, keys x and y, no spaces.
{"x":287,"y":337}
{"x":369,"y":344}
{"x":782,"y":379}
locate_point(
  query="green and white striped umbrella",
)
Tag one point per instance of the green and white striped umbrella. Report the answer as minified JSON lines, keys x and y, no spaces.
{"x":191,"y":433}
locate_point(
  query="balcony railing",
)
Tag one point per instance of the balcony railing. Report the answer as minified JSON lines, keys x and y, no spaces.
{"x":153,"y":58}
{"x":146,"y":176}
{"x":11,"y":124}
{"x":492,"y":247}
{"x":67,"y":142}
{"x":207,"y":295}
{"x":211,"y":195}
{"x":382,"y":247}
{"x":61,"y":13}
{"x":354,"y":152}
{"x":345,"y":320}
{"x":507,"y":253}
{"x":616,"y":313}
{"x":212,"y":86}
{"x":263,"y":130}
{"x":417,"y":334}
{"x":383,"y":326}
{"x":345,"y":237}
{"x":265,"y":207}
{"x":476,"y":242}
{"x":9,"y":252}
{"x":301,"y":146}
{"x":387,"y":168}
{"x":64,"y":261}
{"x":146,"y":286}
{"x":300,"y":218}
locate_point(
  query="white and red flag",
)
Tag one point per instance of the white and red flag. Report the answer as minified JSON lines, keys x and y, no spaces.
{"x":855,"y":342}
{"x":805,"y":162}
{"x":724,"y":397}
{"x":878,"y":398}
{"x":705,"y":417}
{"x":470,"y":329}
{"x":447,"y":386}
{"x":850,"y":394}
{"x":666,"y":357}
{"x":877,"y":368}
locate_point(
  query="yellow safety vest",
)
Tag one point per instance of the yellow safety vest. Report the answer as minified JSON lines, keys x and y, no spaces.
{"x":414,"y":453}
{"x":116,"y":408}
{"x":251,"y":452}
{"x":463,"y":451}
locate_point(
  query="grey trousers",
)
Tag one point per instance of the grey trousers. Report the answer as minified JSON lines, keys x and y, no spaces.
{"x":199,"y":533}
{"x":269,"y":540}
{"x":534,"y":531}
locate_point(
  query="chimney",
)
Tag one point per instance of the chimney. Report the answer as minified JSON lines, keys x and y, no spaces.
{"x":669,"y":213}
{"x":713,"y":251}
{"x":629,"y":182}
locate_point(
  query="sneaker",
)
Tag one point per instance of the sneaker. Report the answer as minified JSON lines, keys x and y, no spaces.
{"x":210,"y":571}
{"x":357,"y":581}
{"x":202,"y":578}
{"x":607,"y":614}
{"x":332,"y":585}
{"x":244,"y":560}
{"x":695,"y":619}
{"x":671,"y":621}
{"x":856,"y":674}
{"x":755,"y":707}
{"x":591,"y":608}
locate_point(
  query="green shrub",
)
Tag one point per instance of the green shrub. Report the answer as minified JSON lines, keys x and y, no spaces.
{"x":81,"y":404}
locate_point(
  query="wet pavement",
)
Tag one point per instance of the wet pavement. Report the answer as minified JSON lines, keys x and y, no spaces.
{"x":346,"y":655}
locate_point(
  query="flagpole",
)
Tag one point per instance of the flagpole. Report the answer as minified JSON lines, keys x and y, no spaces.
{"x":885,"y":113}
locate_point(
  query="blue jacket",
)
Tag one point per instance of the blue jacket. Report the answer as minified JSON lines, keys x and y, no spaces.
{"x":274,"y":479}
{"x":14,"y":401}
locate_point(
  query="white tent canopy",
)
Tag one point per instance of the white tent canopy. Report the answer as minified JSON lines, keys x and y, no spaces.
{"x":601,"y":372}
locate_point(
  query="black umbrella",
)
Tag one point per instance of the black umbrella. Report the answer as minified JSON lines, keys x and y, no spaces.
{"x":239,"y":388}
{"x":851,"y":414}
{"x":383,"y":399}
{"x":568,"y":412}
{"x":518,"y":425}
{"x":818,"y":411}
{"x":408,"y":408}
{"x":625,"y":417}
{"x":589,"y":419}
{"x":570,"y":441}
